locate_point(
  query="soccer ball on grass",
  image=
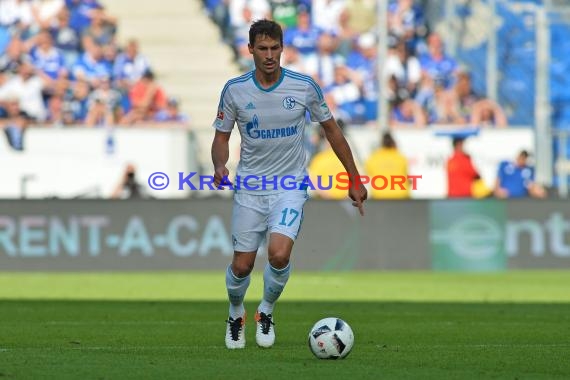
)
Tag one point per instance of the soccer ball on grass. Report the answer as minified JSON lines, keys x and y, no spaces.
{"x":331,"y":338}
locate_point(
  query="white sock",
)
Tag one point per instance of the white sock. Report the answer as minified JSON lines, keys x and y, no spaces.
{"x":274,"y":281}
{"x":237,"y":288}
{"x":236,"y":311}
{"x":265,"y":307}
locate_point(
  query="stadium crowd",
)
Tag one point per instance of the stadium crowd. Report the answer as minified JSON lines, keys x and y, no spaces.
{"x":61,"y":65}
{"x":335,"y":42}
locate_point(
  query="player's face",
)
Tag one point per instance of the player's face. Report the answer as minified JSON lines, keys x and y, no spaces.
{"x":266,"y":54}
{"x":521,"y":160}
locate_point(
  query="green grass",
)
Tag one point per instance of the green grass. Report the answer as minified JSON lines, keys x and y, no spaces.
{"x":513,"y":325}
{"x":532,"y":286}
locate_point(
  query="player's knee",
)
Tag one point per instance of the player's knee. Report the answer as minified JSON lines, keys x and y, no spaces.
{"x":242,"y":268}
{"x":279,"y":261}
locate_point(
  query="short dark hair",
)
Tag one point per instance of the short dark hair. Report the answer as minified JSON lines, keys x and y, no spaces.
{"x":388,"y":141}
{"x":265,"y":27}
{"x":457,"y":140}
{"x":148,"y":74}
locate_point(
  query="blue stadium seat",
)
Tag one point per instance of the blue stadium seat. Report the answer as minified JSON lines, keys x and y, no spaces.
{"x":561,"y":115}
{"x":559,"y":89}
{"x":556,"y":150}
{"x":515,"y":95}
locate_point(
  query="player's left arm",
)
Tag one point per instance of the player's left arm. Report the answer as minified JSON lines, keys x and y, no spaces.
{"x":321,"y":114}
{"x":357,"y":191}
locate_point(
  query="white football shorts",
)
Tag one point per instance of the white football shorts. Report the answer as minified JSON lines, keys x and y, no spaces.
{"x":255,"y":215}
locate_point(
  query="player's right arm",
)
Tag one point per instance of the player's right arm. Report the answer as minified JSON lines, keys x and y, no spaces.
{"x":220,"y":155}
{"x":223,"y":124}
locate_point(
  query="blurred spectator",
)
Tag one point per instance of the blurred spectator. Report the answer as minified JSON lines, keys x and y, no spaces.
{"x":81,"y":14}
{"x":326,"y":14}
{"x":9,"y":60}
{"x":103,"y":105}
{"x":387,"y":161}
{"x":47,"y":59}
{"x":130,"y":65}
{"x":475,"y":109}
{"x":101,"y":31}
{"x":363,"y":64}
{"x":129,"y":187}
{"x":16,"y":14}
{"x":438,"y":104}
{"x":343,"y":94}
{"x":406,"y":113}
{"x":403,"y":74}
{"x":404,"y":67}
{"x":91,"y":66}
{"x":146,"y":98}
{"x":304,"y":37}
{"x":45,"y":12}
{"x":65,"y":38}
{"x":74,"y":108}
{"x":110,"y":53}
{"x":55,"y":103}
{"x":345,"y":34}
{"x":258,"y":9}
{"x":171,"y":114}
{"x":446,"y":109}
{"x":437,"y":63}
{"x":487,"y":113}
{"x":321,"y":66}
{"x":406,"y":21}
{"x":461,"y":173}
{"x":241,"y":41}
{"x":516,"y":179}
{"x":27,"y":87}
{"x":13,"y":121}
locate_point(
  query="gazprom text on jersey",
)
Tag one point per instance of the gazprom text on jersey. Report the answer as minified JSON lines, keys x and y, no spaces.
{"x":273,"y":133}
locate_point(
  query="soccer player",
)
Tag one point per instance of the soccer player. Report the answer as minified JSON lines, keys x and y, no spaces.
{"x":269,"y":105}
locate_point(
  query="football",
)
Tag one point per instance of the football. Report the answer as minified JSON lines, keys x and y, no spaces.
{"x":331,"y":338}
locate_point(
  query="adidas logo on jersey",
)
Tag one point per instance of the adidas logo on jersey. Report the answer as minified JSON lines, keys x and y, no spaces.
{"x":250,"y":106}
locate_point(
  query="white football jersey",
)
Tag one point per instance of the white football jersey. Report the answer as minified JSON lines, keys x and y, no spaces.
{"x":271,"y":123}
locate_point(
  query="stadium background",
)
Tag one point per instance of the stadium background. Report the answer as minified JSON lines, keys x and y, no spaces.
{"x":69,"y":230}
{"x":70,"y":156}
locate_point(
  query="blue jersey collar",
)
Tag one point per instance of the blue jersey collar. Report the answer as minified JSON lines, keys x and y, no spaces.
{"x":272,"y":87}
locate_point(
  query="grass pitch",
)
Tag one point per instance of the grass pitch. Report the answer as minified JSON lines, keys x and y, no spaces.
{"x":513,"y":325}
